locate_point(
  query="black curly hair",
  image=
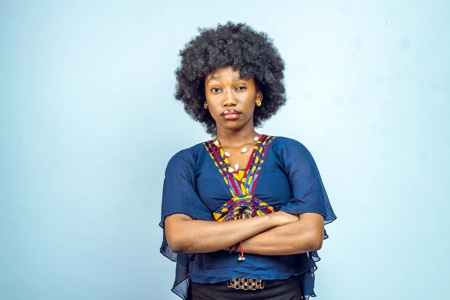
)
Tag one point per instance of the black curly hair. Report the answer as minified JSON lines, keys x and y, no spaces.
{"x":238,"y":46}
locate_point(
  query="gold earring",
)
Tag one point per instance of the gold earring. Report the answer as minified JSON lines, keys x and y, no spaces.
{"x":205,"y":105}
{"x":258,"y":102}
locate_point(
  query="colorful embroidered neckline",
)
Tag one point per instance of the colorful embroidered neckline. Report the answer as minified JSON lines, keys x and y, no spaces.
{"x":243,"y":203}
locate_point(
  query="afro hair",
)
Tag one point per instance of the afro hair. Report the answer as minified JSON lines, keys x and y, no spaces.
{"x":238,"y":46}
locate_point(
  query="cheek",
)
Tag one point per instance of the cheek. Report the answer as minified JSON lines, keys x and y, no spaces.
{"x":214,"y":111}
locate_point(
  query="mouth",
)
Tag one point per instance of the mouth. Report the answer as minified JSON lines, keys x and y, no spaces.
{"x":231,"y":114}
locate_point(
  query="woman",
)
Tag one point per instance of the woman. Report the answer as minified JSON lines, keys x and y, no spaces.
{"x":243,"y":214}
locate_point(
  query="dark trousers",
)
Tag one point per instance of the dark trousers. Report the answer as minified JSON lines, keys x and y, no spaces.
{"x":288,"y":289}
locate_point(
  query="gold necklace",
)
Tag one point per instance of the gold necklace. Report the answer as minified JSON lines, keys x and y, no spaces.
{"x":227,"y":154}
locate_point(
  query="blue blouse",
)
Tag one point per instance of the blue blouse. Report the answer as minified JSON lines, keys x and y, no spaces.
{"x":289,"y":181}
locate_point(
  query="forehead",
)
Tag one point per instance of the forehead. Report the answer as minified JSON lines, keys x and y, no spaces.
{"x":225,"y":74}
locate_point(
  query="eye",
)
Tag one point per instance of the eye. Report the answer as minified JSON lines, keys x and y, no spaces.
{"x":215,"y":90}
{"x":241,"y":88}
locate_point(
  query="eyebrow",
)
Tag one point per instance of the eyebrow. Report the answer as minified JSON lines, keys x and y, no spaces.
{"x":214,"y":77}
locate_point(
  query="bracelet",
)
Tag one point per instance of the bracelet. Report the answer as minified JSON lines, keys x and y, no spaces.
{"x":241,"y":252}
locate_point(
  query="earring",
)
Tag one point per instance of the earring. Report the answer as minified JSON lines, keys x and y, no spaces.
{"x":258,"y":102}
{"x":205,"y":105}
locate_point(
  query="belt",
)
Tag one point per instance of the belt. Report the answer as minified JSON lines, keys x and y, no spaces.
{"x":245,"y":284}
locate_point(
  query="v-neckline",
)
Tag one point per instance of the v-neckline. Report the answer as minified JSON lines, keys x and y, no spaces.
{"x":249,"y":161}
{"x":246,"y":184}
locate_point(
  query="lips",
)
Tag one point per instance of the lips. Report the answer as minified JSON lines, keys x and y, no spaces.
{"x":231,"y":114}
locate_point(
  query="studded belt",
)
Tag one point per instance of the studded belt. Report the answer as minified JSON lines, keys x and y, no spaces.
{"x":245,"y":284}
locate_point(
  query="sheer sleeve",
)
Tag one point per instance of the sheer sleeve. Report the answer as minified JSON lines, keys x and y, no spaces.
{"x":308,"y":195}
{"x":307,"y":190}
{"x":179,"y":196}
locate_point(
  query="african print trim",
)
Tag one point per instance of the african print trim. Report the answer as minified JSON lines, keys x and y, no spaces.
{"x":243,"y":203}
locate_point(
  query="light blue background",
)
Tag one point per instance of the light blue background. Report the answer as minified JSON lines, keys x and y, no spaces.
{"x":88,"y":122}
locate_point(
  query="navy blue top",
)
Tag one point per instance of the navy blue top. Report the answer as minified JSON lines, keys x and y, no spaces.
{"x":289,"y":181}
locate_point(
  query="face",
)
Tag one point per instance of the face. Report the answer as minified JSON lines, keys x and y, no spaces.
{"x":231,"y":99}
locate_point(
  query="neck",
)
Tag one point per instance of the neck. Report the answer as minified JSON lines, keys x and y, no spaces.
{"x":236,"y":138}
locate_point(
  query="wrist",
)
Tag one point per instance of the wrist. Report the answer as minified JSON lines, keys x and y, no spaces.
{"x":276,"y":219}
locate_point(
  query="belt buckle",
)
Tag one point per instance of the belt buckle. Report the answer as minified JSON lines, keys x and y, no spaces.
{"x":245,"y":284}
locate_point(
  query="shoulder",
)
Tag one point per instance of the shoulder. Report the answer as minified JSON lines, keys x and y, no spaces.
{"x":284,"y":144}
{"x":186,"y":158}
{"x":188,"y":153}
{"x":294,"y":155}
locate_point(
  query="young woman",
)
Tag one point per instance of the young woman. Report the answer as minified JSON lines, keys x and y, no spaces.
{"x":243,"y":214}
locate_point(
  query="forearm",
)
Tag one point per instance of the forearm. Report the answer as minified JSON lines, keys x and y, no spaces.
{"x":197,"y":236}
{"x":293,"y":238}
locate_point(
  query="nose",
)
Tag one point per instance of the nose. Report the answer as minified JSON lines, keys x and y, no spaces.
{"x":229,"y":98}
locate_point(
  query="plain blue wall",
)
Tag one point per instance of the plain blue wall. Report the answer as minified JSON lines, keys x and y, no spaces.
{"x":88,"y":122}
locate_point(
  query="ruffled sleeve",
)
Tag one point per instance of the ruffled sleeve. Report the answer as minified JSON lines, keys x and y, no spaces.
{"x":307,"y":191}
{"x":308,"y":195}
{"x":179,"y":196}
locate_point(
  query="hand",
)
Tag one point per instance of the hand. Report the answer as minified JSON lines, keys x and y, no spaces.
{"x":281,"y":218}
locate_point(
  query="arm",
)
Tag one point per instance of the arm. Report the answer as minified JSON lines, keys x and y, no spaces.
{"x":308,"y":200}
{"x":186,"y":235}
{"x":301,"y":236}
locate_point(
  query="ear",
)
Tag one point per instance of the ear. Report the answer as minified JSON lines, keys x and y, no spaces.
{"x":259,"y":95}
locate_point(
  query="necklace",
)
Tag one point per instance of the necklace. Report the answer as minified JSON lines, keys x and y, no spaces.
{"x":227,"y":154}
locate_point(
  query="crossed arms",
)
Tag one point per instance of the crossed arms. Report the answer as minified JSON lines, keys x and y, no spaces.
{"x":279,"y":233}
